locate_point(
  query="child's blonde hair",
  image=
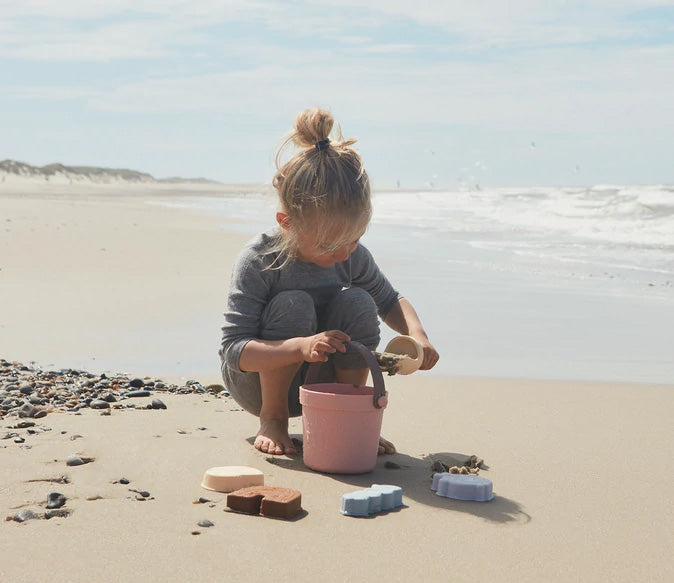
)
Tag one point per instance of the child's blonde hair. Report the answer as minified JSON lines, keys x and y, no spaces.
{"x":323,"y":187}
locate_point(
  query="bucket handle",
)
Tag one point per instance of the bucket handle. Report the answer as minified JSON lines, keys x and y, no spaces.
{"x":377,"y":377}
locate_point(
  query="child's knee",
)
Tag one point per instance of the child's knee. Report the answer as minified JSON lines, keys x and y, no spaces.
{"x":354,"y":312}
{"x":288,"y":314}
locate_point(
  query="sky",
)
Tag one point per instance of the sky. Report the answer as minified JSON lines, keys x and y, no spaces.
{"x":439,"y":93}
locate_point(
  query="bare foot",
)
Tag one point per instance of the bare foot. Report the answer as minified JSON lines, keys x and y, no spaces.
{"x":273,"y":438}
{"x":385,"y":446}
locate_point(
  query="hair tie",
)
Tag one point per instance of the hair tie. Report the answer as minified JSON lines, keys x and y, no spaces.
{"x":323,"y":144}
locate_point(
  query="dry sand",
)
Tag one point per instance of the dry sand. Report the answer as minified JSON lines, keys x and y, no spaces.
{"x":582,"y":472}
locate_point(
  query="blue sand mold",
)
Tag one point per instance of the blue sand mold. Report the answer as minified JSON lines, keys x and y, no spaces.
{"x":372,"y":500}
{"x":462,"y":487}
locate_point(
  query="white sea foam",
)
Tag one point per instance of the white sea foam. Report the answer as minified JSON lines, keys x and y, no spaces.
{"x":623,"y":227}
{"x":606,"y":226}
{"x":640,"y":216}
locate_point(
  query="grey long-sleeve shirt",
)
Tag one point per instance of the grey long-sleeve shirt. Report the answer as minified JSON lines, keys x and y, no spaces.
{"x":253,"y":285}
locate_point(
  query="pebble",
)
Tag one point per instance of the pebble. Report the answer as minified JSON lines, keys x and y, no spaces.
{"x":55,"y":500}
{"x":30,"y":392}
{"x":157,"y":404}
{"x":57,"y":513}
{"x":25,"y":514}
{"x":138,"y":394}
{"x":205,"y":523}
{"x":75,"y":460}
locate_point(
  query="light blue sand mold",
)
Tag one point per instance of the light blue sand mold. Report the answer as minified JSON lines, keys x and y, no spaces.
{"x":462,"y":486}
{"x":371,"y":500}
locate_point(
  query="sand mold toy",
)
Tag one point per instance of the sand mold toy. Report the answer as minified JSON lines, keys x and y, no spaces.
{"x":377,"y":498}
{"x":463,"y":487}
{"x":270,"y":501}
{"x":228,"y":478}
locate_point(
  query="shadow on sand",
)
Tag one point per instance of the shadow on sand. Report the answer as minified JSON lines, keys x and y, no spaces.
{"x":414,"y":476}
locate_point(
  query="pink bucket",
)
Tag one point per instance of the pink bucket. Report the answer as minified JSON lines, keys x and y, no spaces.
{"x":341,"y":422}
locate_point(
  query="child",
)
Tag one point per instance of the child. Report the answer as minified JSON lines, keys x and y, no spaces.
{"x":301,"y":292}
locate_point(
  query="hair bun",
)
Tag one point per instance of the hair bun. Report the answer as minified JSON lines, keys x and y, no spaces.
{"x":312,"y":126}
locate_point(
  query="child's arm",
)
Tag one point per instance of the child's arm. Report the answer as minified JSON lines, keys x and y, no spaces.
{"x":403,"y":318}
{"x":262,"y":355}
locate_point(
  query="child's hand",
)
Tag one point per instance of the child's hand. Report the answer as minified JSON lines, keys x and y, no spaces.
{"x":317,"y":348}
{"x":431,"y":355}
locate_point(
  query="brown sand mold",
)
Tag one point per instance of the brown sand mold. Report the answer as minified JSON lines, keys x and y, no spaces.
{"x":271,"y":501}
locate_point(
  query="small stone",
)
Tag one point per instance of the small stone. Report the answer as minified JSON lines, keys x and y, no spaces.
{"x":28,"y":410}
{"x":26,"y":389}
{"x":195,"y":532}
{"x":124,"y":481}
{"x":57,"y":513}
{"x":205,"y":523}
{"x":143,"y":493}
{"x":74,"y":460}
{"x":99,"y":404}
{"x":106,"y":413}
{"x":138,"y":394}
{"x":55,"y":500}
{"x":137,"y":383}
{"x":19,"y":440}
{"x":25,"y":514}
{"x":157,"y":404}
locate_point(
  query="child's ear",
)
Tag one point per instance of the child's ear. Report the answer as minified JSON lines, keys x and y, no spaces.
{"x":283,"y":220}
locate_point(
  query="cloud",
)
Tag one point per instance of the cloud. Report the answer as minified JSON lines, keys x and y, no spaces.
{"x":82,"y":30}
{"x":560,"y":90}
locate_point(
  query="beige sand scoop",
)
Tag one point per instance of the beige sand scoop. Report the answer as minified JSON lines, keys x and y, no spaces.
{"x":410,"y":349}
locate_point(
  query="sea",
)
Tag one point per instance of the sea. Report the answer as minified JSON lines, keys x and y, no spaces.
{"x":566,"y":283}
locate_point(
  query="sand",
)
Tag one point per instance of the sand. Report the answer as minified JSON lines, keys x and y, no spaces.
{"x":104,"y":280}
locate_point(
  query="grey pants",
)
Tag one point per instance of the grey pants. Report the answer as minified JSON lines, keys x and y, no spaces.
{"x":291,"y":314}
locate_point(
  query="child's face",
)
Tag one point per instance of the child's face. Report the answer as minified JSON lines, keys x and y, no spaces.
{"x":311,"y":252}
